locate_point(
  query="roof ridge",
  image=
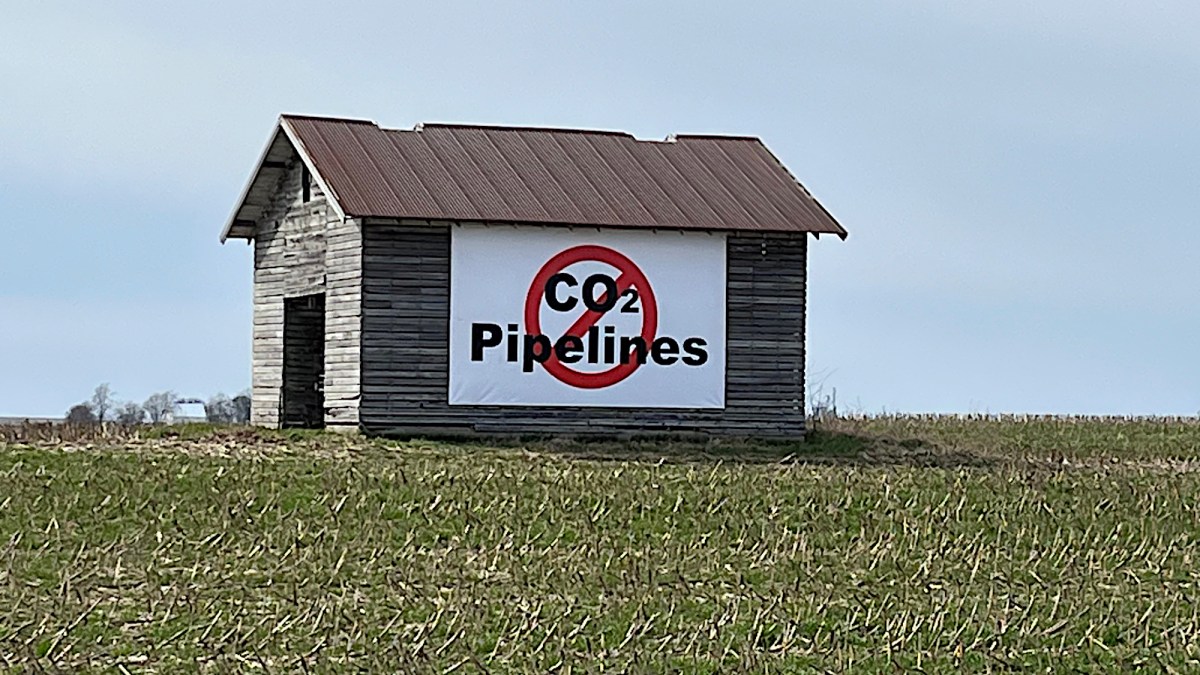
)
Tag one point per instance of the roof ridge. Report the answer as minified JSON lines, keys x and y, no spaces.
{"x":516,"y":127}
{"x":715,"y":137}
{"x":509,"y":127}
{"x":327,"y":118}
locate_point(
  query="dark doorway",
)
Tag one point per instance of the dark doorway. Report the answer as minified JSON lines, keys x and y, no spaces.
{"x":303,"y":402}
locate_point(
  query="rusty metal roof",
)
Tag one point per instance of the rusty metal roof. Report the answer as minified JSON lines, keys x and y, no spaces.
{"x":549,"y":176}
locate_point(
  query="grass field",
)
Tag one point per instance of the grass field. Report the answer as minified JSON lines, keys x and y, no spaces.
{"x":881,"y":545}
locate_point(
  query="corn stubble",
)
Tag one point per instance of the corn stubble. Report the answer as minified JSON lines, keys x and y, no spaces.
{"x":882,"y":544}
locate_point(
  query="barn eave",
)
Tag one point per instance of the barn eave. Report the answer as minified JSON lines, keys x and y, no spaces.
{"x":256,"y":196}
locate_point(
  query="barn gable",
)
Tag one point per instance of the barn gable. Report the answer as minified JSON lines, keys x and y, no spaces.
{"x":281,"y":153}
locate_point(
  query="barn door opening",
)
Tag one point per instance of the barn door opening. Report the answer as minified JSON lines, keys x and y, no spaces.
{"x":303,"y":401}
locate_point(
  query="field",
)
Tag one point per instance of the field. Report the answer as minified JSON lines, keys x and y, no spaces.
{"x":881,"y":545}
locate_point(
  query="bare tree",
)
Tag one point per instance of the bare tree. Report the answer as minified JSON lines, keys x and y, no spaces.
{"x":219,"y":410}
{"x":102,"y":402}
{"x":241,"y":408}
{"x":81,"y":413}
{"x":130,"y":414}
{"x":822,"y":404}
{"x":159,"y":406}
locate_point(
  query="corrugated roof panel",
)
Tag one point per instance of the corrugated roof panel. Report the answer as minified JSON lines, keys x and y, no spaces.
{"x":508,"y":183}
{"x":597,"y":198}
{"x":432,"y":174}
{"x":488,"y":202}
{"x":622,"y":197}
{"x":772,"y":185}
{"x":651,"y":198}
{"x":552,"y":176}
{"x":556,"y":194}
{"x":398,"y":177}
{"x":716,"y":193}
{"x":696,"y":211}
{"x":767,"y":171}
{"x":575,"y":186}
{"x":743,"y":190}
{"x":369,"y":186}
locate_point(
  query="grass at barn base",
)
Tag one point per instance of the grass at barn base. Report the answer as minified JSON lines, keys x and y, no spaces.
{"x":883,"y":544}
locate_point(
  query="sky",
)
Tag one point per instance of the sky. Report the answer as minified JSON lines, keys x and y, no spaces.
{"x":1020,"y":180}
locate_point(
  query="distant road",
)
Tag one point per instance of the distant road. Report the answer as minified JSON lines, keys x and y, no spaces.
{"x":18,"y":420}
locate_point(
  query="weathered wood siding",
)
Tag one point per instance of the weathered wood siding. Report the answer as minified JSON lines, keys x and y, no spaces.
{"x":405,"y":359}
{"x":302,"y":248}
{"x":343,"y":324}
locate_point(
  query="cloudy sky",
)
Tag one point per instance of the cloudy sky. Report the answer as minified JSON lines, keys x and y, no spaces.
{"x":1021,"y":180}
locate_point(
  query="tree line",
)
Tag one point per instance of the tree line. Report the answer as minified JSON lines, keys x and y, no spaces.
{"x":158,"y":408}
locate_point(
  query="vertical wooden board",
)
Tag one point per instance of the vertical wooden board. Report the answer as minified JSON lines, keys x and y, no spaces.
{"x":343,"y":323}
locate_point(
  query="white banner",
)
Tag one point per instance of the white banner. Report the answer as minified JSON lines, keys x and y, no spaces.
{"x":586,"y":317}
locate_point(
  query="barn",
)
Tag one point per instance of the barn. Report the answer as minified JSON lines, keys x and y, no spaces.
{"x":462,"y":279}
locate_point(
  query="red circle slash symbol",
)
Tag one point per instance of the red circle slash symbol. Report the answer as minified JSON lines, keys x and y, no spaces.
{"x":629,"y":276}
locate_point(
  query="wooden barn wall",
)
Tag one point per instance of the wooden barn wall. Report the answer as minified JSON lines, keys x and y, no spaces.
{"x":301,"y":248}
{"x":343,"y":323}
{"x":405,"y":362}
